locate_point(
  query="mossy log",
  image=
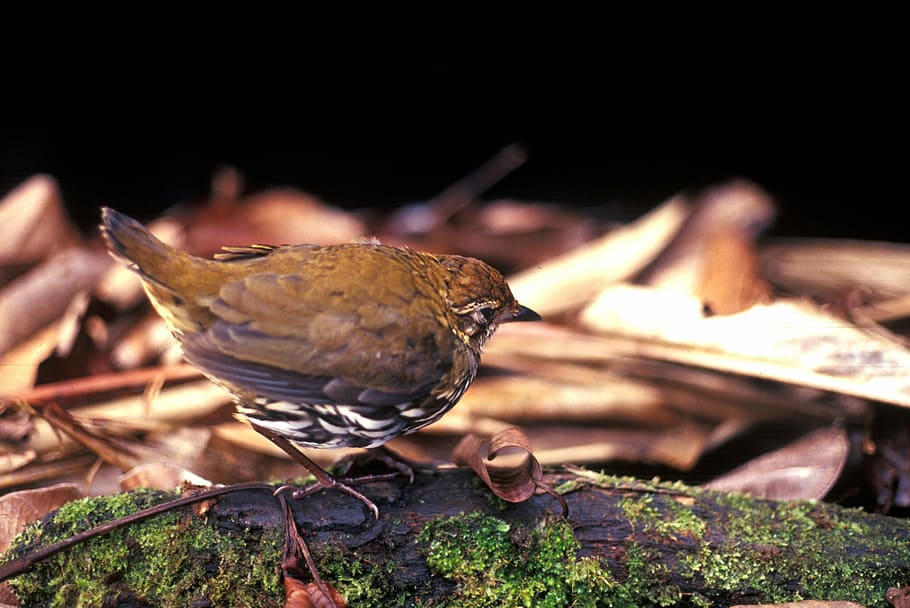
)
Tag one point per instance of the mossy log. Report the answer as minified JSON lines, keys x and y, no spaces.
{"x":444,"y":540}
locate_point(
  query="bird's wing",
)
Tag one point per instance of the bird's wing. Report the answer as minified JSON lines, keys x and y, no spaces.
{"x":279,"y":384}
{"x":280,"y":337}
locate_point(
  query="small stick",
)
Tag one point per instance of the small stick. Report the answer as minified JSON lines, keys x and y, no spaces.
{"x":79,"y":388}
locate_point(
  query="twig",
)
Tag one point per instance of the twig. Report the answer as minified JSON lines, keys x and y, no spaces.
{"x":77,"y":389}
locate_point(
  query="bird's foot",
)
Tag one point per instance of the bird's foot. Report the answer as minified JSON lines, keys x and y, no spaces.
{"x":330,"y":482}
{"x":399,"y":466}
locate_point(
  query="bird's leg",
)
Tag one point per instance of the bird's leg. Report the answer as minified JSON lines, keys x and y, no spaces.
{"x":324,"y":480}
{"x":296,"y":548}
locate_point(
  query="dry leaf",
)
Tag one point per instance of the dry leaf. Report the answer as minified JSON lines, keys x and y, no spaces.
{"x":160,"y":475}
{"x":805,"y":469}
{"x":899,"y":597}
{"x":730,"y":280}
{"x":516,"y":476}
{"x":570,"y":280}
{"x":18,"y":509}
{"x":43,"y":295}
{"x":737,"y":208}
{"x":277,"y":217}
{"x":883,"y":311}
{"x":111,"y":450}
{"x":789,"y":341}
{"x":19,"y":365}
{"x":143,"y":343}
{"x":308,"y":595}
{"x":8,"y":599}
{"x":534,"y":398}
{"x":35,"y":223}
{"x":827,"y":267}
{"x":511,"y":234}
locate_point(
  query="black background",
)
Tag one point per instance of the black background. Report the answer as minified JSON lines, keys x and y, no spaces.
{"x":368,"y":107}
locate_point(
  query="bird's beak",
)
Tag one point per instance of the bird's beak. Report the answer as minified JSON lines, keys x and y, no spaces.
{"x":524,"y":314}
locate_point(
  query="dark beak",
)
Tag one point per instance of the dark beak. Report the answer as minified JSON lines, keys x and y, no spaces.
{"x":524,"y":314}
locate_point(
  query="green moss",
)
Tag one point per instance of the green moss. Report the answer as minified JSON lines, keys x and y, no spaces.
{"x":170,"y":560}
{"x":671,"y":541}
{"x":176,"y":559}
{"x":765,"y":539}
{"x":361,"y":582}
{"x":495,"y":563}
{"x":754,"y":550}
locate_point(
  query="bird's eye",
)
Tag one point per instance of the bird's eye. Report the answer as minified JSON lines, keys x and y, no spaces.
{"x":483,"y":315}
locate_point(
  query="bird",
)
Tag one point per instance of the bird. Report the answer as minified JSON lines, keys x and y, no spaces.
{"x":324,"y":346}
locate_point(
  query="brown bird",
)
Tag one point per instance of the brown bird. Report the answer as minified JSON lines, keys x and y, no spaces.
{"x":325,"y":346}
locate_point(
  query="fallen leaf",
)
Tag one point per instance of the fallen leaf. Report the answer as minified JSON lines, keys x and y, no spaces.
{"x":18,"y":509}
{"x":805,"y":469}
{"x":827,"y":267}
{"x":570,"y":280}
{"x":737,"y":208}
{"x":35,"y":223}
{"x":298,"y":594}
{"x":43,"y":295}
{"x":730,"y":280}
{"x":517,"y":476}
{"x":790,"y":340}
{"x":161,"y":476}
{"x":899,"y":597}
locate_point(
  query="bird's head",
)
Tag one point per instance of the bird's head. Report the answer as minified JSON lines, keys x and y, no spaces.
{"x":480,"y":300}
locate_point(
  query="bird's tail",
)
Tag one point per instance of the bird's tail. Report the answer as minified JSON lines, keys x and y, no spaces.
{"x":134,"y":246}
{"x":173,"y":279}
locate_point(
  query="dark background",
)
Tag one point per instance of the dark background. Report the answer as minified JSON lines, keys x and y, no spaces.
{"x":618,"y":107}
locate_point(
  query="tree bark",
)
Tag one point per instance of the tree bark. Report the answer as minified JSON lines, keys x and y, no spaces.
{"x":627,"y":542}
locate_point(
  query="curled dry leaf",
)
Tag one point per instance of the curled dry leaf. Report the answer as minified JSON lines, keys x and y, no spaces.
{"x":298,"y":594}
{"x":18,"y":509}
{"x":517,"y":476}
